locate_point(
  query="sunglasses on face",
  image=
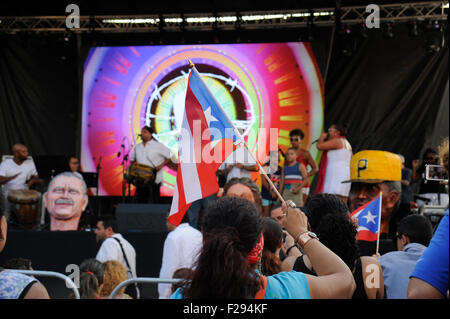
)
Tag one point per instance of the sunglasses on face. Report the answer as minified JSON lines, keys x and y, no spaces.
{"x":371,"y":190}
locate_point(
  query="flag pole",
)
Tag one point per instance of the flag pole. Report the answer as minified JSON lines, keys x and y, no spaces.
{"x":261,"y":170}
{"x":379,"y":223}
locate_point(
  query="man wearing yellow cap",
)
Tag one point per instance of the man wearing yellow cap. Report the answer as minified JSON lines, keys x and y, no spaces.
{"x":372,"y":172}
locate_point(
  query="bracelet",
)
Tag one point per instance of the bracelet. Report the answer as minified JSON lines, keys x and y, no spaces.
{"x":298,"y":236}
{"x":289,"y":249}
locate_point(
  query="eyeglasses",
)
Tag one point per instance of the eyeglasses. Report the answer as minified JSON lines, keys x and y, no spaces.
{"x":331,"y":129}
{"x":295,"y":139}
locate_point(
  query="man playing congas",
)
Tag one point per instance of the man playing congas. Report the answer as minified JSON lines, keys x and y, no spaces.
{"x":154,"y":154}
{"x":18,"y":173}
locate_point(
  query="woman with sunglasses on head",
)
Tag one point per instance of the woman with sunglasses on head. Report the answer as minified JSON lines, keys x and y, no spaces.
{"x":335,"y":162}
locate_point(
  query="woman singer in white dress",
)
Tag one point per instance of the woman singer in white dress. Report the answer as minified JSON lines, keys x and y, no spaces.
{"x":338,"y":151}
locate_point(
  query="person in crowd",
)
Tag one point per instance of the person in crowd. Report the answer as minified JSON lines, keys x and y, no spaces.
{"x":293,"y":178}
{"x":372,"y":172}
{"x":154,"y":154}
{"x":414,"y":233}
{"x":239,"y":164}
{"x":329,"y":219}
{"x":429,"y":192}
{"x":116,"y":247}
{"x":18,"y":263}
{"x":74,"y":166}
{"x":430,"y":278}
{"x":273,"y":242}
{"x":14,"y":285}
{"x":303,"y":156}
{"x":244,"y":188}
{"x":180,"y":250}
{"x":335,"y":162}
{"x":232,"y":248}
{"x":17,"y":173}
{"x":91,"y":279}
{"x":277,"y":213}
{"x":406,"y":198}
{"x":65,"y":200}
{"x":269,"y":197}
{"x":114,"y":274}
{"x":182,"y":273}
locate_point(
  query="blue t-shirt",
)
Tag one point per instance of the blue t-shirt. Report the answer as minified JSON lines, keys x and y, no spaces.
{"x":433,"y":266}
{"x":284,"y":285}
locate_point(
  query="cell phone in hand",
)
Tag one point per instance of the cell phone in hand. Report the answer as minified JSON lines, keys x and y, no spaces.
{"x":436,"y":173}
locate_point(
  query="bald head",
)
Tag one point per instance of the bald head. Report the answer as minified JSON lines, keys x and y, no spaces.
{"x":20,"y":152}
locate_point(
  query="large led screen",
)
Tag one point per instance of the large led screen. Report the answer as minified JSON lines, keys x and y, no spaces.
{"x":260,"y":85}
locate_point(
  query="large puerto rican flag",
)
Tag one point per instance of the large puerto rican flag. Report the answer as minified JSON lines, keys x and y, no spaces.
{"x":369,"y":219}
{"x":205,"y":143}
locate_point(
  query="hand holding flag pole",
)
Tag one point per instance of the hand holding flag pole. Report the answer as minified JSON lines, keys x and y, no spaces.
{"x":292,"y":204}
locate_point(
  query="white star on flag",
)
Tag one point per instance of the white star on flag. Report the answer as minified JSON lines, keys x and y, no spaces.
{"x":369,"y":218}
{"x":209,"y":117}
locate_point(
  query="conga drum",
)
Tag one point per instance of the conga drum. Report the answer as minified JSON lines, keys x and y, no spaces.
{"x":26,"y":203}
{"x":140,"y":174}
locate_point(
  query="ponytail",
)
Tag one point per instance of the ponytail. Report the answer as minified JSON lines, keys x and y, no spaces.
{"x":89,"y":286}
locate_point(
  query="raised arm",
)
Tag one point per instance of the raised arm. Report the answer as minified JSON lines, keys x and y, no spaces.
{"x":334,"y":279}
{"x":332,"y":144}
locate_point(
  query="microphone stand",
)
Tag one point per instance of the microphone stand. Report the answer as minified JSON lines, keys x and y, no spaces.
{"x":98,"y":186}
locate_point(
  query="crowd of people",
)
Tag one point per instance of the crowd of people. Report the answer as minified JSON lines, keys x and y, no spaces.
{"x":249,"y":242}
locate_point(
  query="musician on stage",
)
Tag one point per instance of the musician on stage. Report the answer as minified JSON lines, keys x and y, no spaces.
{"x":17,"y":173}
{"x":151,"y":153}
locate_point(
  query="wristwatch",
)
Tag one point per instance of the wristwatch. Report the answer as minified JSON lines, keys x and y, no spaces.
{"x":303,"y":238}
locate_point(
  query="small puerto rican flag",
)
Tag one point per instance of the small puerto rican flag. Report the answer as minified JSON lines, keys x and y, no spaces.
{"x":369,"y":219}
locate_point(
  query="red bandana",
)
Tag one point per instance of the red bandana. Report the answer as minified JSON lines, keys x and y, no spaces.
{"x":253,"y":255}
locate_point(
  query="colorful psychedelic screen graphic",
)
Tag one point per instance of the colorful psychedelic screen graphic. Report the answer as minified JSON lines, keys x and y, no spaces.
{"x":259,"y":85}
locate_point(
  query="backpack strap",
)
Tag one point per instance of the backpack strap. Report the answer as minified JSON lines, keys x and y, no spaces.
{"x":263,"y":286}
{"x":124,"y":255}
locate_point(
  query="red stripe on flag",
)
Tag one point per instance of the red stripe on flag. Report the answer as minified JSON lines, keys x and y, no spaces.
{"x":176,"y":218}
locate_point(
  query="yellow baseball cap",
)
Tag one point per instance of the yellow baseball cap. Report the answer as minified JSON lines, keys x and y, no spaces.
{"x":375,"y":167}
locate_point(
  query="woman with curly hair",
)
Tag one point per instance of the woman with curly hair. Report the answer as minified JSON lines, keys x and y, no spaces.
{"x":329,"y":219}
{"x":115,"y":273}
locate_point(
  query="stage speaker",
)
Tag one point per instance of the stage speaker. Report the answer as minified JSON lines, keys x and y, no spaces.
{"x":142,"y":217}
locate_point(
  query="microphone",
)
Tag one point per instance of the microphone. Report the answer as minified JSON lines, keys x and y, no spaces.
{"x":122,"y":146}
{"x":326,"y":138}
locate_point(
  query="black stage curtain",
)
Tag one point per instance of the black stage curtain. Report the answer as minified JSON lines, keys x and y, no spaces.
{"x":38,"y":94}
{"x":392,"y":92}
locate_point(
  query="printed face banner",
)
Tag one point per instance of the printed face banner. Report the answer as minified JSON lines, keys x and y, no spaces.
{"x":259,"y":85}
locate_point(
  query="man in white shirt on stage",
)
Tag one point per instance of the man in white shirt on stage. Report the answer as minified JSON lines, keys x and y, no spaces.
{"x":151,"y":153}
{"x":181,"y":249}
{"x":18,"y":173}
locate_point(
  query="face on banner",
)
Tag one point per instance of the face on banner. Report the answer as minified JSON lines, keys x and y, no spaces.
{"x":259,"y":85}
{"x":65,"y":200}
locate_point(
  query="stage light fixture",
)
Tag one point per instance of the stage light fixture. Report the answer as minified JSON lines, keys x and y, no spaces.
{"x":363,"y":31}
{"x":388,"y":32}
{"x":414,"y":29}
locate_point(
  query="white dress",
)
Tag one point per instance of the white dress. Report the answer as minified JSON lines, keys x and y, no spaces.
{"x":338,"y":170}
